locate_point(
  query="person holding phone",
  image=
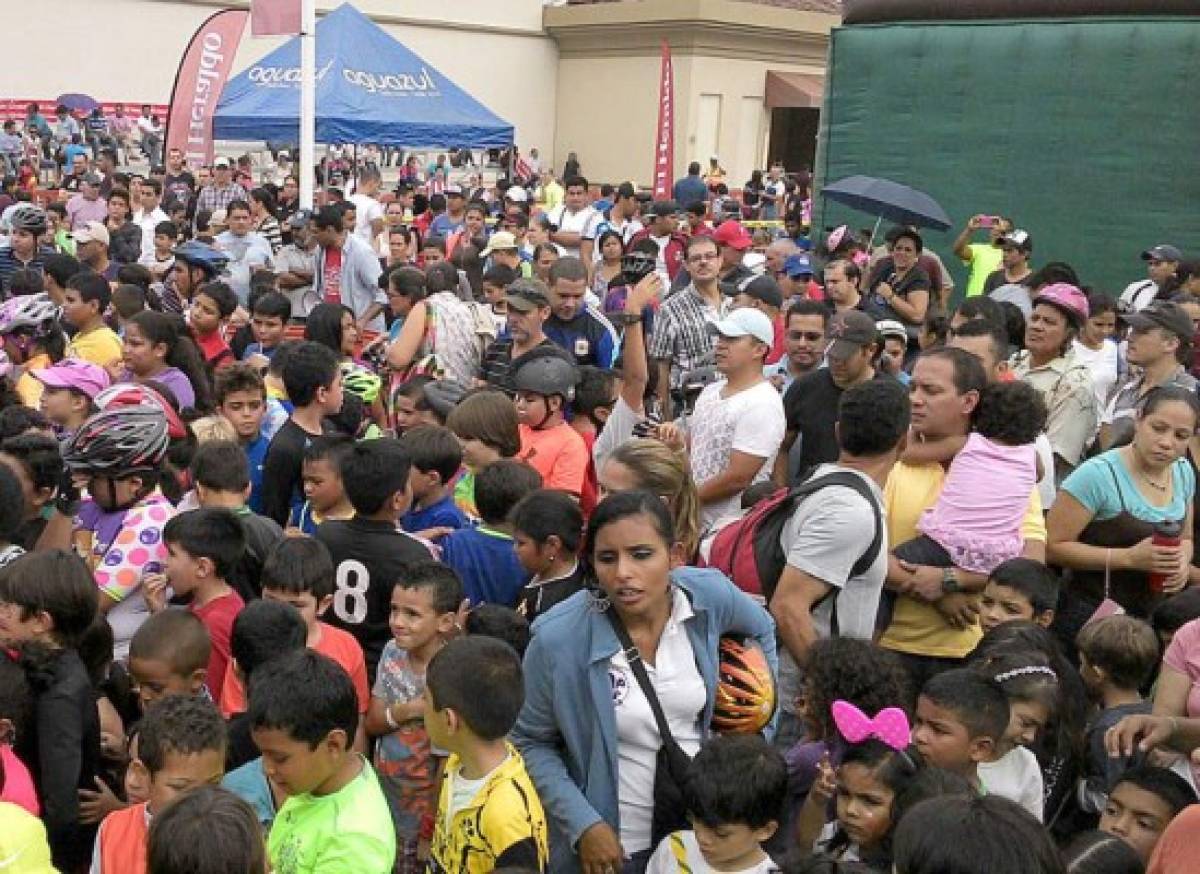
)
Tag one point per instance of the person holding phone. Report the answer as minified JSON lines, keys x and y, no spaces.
{"x":983,"y":259}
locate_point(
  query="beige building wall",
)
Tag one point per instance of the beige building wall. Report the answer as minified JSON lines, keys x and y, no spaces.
{"x":129,"y":50}
{"x":608,"y":80}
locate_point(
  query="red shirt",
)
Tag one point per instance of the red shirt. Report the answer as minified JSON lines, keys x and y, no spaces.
{"x":217,"y":616}
{"x":333,"y":275}
{"x":777,"y":347}
{"x":216,"y":351}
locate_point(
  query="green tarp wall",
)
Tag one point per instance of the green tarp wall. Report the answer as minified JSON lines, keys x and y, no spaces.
{"x":1086,"y":131}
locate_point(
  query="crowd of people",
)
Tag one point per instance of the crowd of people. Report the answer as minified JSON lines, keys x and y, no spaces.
{"x":539,"y":526}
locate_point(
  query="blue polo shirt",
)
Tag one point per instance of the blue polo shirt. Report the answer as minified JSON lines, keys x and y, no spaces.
{"x":589,"y":337}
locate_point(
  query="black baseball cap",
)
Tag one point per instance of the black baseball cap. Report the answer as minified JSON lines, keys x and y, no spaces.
{"x":1163,"y":314}
{"x":763,"y":288}
{"x":1162,"y":252}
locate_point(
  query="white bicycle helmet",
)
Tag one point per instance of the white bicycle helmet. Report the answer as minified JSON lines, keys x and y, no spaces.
{"x":27,"y":311}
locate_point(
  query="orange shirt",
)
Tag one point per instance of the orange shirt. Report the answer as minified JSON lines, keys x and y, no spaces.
{"x":558,"y":454}
{"x":123,"y":840}
{"x":337,"y":644}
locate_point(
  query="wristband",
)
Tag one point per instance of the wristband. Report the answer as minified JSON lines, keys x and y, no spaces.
{"x":390,"y":719}
{"x":67,"y":505}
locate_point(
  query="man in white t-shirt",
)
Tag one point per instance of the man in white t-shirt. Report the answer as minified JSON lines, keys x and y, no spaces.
{"x":819,"y":593}
{"x":576,"y":220}
{"x":738,"y":424}
{"x":368,"y":224}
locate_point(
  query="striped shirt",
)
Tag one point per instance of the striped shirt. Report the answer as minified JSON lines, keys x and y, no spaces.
{"x":213,"y":198}
{"x":10,"y":264}
{"x":681,"y":331}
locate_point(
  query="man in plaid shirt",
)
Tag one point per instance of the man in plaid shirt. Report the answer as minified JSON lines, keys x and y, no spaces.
{"x":681,"y":340}
{"x":222,"y":191}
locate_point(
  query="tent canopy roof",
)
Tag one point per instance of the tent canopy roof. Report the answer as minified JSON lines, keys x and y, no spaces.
{"x":370,"y":89}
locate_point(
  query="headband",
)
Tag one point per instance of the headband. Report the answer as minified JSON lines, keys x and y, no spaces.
{"x":890,"y":725}
{"x":1030,"y":669}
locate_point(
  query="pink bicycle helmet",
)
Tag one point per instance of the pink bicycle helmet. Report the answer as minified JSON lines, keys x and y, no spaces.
{"x":1067,"y":298}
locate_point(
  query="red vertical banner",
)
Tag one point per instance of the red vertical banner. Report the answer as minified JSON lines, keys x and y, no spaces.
{"x":664,"y":148}
{"x":274,"y":17}
{"x":202,"y":74}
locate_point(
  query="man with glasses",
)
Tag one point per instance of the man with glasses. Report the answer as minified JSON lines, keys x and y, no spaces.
{"x":805,"y":323}
{"x":681,"y":340}
{"x":1159,"y":344}
{"x":811,"y":403}
{"x":1161,"y":263}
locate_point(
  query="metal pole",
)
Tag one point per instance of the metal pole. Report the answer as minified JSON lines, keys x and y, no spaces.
{"x":308,"y":99}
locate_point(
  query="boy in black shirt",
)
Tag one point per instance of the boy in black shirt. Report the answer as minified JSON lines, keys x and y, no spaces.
{"x":314,"y":386}
{"x":370,"y":553}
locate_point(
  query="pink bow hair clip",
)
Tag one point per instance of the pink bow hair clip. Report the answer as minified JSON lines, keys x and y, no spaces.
{"x":890,"y":725}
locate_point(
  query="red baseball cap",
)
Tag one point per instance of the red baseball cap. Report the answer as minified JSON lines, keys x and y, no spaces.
{"x":733,"y":235}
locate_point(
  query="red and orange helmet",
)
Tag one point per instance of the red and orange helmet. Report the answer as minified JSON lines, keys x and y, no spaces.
{"x":745,"y":700}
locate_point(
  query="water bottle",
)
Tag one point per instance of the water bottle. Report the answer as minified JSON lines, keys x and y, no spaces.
{"x":1168,"y":532}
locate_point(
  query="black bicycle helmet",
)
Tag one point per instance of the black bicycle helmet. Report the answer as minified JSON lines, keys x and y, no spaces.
{"x":547,"y":375}
{"x":636,"y":265}
{"x":118,"y":442}
{"x":29,"y":217}
{"x":443,"y":395}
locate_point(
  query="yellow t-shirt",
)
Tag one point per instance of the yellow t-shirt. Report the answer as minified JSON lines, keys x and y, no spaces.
{"x":101,"y":346}
{"x":918,"y":628}
{"x":985,"y":260}
{"x":30,"y":389}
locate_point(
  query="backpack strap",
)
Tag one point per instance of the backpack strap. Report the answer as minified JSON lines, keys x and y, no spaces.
{"x":855,"y":482}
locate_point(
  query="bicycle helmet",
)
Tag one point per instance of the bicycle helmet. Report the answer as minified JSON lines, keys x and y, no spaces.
{"x":28,"y":217}
{"x":745,"y":699}
{"x":132,"y":394}
{"x":636,"y":265}
{"x":211,"y":261}
{"x":361,"y":382}
{"x":547,"y":375}
{"x":1067,"y":299}
{"x":443,"y":395}
{"x":27,"y":311}
{"x":118,"y":442}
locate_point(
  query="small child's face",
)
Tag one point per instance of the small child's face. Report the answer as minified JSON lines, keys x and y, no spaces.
{"x":476,"y":454}
{"x":184,"y":571}
{"x":942,"y":739}
{"x":1135,"y":816}
{"x":181,"y":772}
{"x":293,"y":765}
{"x":267,"y":330}
{"x":404,"y":410}
{"x":864,"y":805}
{"x":728,"y":846}
{"x":163,"y":243}
{"x":999,"y":604}
{"x":137,"y":781}
{"x":245,"y":411}
{"x":15,"y":630}
{"x":436,"y":723}
{"x":413,"y":620}
{"x":306,"y":604}
{"x":533,"y":556}
{"x":494,"y":294}
{"x":322,"y":484}
{"x":59,"y":405}
{"x":205,"y":315}
{"x":1026,"y":721}
{"x":422,"y":483}
{"x":155,"y":679}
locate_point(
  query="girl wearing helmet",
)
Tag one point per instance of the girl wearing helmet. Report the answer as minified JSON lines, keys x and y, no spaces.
{"x":33,"y":340}
{"x":119,"y":453}
{"x":584,"y":700}
{"x":545,"y":380}
{"x":27,"y":224}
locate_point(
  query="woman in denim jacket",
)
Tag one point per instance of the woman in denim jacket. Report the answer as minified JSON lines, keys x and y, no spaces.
{"x":586,"y":731}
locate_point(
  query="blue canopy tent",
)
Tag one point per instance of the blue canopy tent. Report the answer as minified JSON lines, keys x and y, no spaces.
{"x":370,"y":89}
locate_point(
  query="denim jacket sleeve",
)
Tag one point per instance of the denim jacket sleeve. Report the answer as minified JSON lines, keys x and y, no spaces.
{"x":538,"y":738}
{"x":731,"y":609}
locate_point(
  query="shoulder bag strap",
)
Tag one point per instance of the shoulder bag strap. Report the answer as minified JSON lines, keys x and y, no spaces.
{"x":634,"y":657}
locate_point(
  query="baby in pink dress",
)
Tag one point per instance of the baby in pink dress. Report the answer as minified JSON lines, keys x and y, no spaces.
{"x":975,"y":523}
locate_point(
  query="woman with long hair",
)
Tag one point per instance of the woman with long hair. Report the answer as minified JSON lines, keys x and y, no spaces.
{"x":652,"y":466}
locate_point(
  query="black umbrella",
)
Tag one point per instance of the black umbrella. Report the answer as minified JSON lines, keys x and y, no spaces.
{"x":889,"y":200}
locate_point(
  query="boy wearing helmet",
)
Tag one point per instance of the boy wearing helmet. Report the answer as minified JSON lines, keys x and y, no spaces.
{"x":119,"y":452}
{"x":195,"y":264}
{"x":27,"y":224}
{"x":545,"y":381}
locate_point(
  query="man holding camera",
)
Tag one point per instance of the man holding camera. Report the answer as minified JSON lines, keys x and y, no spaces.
{"x":983,"y":259}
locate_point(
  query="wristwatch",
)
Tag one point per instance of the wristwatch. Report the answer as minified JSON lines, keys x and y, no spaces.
{"x":950,"y":583}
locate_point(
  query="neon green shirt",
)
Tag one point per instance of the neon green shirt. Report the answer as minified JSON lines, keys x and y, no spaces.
{"x":347,"y":832}
{"x":984,"y":261}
